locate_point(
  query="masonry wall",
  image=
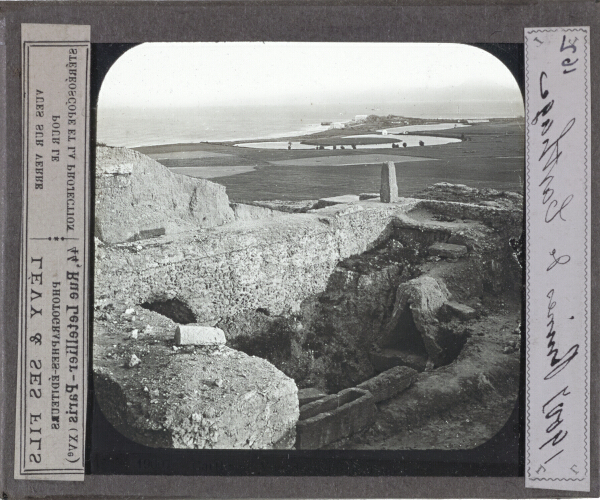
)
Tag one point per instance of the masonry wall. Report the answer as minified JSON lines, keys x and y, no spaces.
{"x":271,"y":263}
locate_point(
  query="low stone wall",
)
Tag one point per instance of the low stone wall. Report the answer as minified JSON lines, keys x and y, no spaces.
{"x":391,"y":382}
{"x":334,"y":417}
{"x":498,"y":218}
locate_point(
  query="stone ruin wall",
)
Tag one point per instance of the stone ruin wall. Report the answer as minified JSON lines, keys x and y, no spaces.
{"x":243,"y":264}
{"x":273,"y":264}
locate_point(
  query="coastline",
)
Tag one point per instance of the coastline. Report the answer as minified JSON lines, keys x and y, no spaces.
{"x":316,"y":131}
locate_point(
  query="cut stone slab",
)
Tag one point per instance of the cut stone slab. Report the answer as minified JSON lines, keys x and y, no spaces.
{"x":199,"y":335}
{"x":391,"y":382}
{"x":447,"y":250}
{"x":386,"y":359}
{"x":309,"y":395}
{"x":368,"y":196}
{"x":334,"y":417}
{"x":287,"y":206}
{"x":206,"y":399}
{"x":389,"y":187}
{"x":461,"y":311}
{"x":337,"y":200}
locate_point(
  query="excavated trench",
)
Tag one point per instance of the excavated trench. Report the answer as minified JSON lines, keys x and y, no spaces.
{"x":342,"y":337}
{"x":339,"y":338}
{"x":409,"y":302}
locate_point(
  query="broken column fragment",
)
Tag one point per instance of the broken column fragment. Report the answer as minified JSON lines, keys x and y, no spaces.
{"x":199,"y":335}
{"x":389,"y":187}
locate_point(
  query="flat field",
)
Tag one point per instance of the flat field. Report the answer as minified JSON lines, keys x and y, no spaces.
{"x":491,"y":156}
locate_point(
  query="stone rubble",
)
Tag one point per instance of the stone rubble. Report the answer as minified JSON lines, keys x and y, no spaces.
{"x":133,"y":361}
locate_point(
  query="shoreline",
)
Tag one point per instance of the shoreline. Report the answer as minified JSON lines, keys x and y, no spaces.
{"x":331,"y":133}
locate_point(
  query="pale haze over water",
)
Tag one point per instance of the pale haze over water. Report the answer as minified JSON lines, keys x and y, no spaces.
{"x":132,"y":127}
{"x":162,"y":93}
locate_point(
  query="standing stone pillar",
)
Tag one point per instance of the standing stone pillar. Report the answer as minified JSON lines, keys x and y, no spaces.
{"x":389,"y":187}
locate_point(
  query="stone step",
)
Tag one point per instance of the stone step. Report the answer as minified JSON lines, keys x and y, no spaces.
{"x":447,"y":250}
{"x":368,"y":196}
{"x":388,"y":358}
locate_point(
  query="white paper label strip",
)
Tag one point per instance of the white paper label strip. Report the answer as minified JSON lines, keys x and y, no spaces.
{"x":53,"y":329}
{"x":558,"y":252}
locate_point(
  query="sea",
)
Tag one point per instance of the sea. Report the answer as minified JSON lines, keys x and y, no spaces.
{"x":136,"y":127}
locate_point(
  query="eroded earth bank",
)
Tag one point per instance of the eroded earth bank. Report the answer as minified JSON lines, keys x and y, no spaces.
{"x":349,"y":322}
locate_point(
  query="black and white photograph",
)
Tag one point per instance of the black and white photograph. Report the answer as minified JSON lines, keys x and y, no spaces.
{"x":308,"y":246}
{"x":299,"y":250}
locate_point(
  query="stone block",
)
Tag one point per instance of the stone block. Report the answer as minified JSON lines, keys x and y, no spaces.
{"x":447,"y":250}
{"x":385,"y":359}
{"x":389,"y":383}
{"x":199,"y":335}
{"x":423,"y":297}
{"x":368,"y":196}
{"x":334,"y":417}
{"x":309,"y":395}
{"x":336,"y":200}
{"x":460,"y":311}
{"x":389,"y":187}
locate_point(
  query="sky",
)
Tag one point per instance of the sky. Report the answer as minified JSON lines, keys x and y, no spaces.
{"x":273,"y":73}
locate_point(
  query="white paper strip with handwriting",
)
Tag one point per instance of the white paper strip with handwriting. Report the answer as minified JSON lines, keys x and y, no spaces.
{"x":53,"y":321}
{"x":558,"y":251}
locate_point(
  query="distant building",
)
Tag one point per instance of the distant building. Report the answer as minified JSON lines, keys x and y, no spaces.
{"x":384,"y":132}
{"x":337,"y":125}
{"x":360,"y":118}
